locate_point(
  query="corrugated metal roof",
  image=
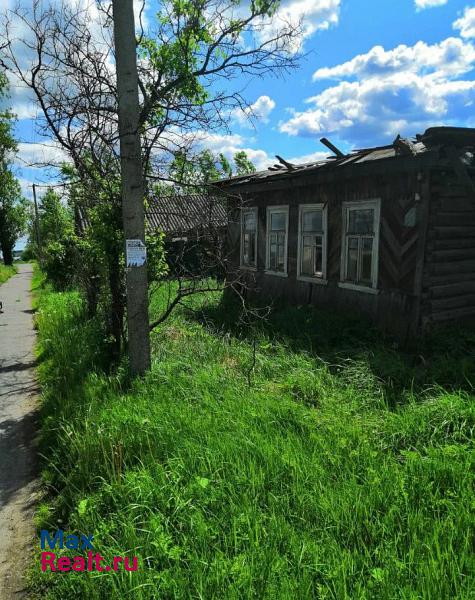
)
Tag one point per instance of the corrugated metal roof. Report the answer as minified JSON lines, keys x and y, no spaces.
{"x":180,"y":214}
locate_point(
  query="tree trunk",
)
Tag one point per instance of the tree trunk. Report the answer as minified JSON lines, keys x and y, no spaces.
{"x":132,"y":182}
{"x":7,"y":251}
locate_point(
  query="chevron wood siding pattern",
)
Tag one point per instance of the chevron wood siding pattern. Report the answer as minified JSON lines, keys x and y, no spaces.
{"x":394,"y":307}
{"x":426,"y":267}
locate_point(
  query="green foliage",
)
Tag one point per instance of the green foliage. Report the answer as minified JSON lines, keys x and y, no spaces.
{"x":7,"y":141}
{"x":29,"y":253}
{"x":243,"y":165}
{"x":225,"y":166}
{"x":61,"y":260}
{"x":60,"y":257}
{"x":6,"y":273}
{"x":14,"y":213}
{"x":14,"y":209}
{"x":196,"y":44}
{"x":344,"y":471}
{"x":157,"y":266}
{"x":191,"y":174}
{"x":55,"y":218}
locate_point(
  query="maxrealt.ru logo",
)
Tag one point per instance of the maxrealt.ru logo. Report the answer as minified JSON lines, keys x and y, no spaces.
{"x":82,"y":543}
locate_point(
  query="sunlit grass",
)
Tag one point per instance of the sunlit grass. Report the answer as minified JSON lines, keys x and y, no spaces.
{"x":6,"y":273}
{"x":345,"y":470}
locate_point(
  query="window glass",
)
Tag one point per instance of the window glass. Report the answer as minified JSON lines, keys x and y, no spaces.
{"x":361,"y":221}
{"x":281,"y":256}
{"x":249,"y":237}
{"x":318,"y":259}
{"x":277,"y":221}
{"x":273,"y":257}
{"x":360,"y":244}
{"x":312,"y":220}
{"x":249,"y":220}
{"x":312,"y":257}
{"x":352,"y":260}
{"x":366,"y":259}
{"x":277,"y":239}
{"x":307,"y":261}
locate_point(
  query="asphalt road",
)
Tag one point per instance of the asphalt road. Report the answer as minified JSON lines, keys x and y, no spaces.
{"x":18,"y":394}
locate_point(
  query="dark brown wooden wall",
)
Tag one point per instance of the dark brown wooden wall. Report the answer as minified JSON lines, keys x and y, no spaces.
{"x":395,"y":307}
{"x":448,"y":288}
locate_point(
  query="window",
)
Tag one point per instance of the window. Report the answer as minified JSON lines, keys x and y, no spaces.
{"x":359,"y":260}
{"x":312,"y":248}
{"x":277,"y":232}
{"x":249,"y":238}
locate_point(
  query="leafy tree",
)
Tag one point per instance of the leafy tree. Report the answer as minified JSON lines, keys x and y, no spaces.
{"x":58,"y":242}
{"x":13,"y":207}
{"x":55,"y":218}
{"x":196,"y":174}
{"x":243,"y":165}
{"x":7,"y":141}
{"x":14,"y":212}
{"x":188,"y":58}
{"x":225,"y":166}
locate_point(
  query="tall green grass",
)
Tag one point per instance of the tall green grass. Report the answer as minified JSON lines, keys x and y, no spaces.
{"x":344,"y":471}
{"x":6,"y":273}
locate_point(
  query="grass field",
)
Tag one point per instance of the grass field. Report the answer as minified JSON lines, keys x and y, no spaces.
{"x":6,"y":273}
{"x":308,"y":458}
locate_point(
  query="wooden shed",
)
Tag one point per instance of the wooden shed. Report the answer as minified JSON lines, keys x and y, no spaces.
{"x":387,"y":231}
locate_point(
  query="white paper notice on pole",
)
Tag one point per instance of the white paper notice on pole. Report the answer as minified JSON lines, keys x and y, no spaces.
{"x":136,"y":253}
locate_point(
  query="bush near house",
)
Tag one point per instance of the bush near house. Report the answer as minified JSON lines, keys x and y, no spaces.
{"x":344,"y":470}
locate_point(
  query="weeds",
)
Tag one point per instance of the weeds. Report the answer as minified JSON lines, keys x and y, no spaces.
{"x":6,"y":273}
{"x":345,"y":470}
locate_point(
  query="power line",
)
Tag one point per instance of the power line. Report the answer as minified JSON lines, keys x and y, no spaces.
{"x":55,"y":185}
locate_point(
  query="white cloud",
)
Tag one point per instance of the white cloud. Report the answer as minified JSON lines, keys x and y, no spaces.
{"x":309,"y":158}
{"x":422,"y":4}
{"x":310,"y":15}
{"x":376,"y":108}
{"x":259,"y":111}
{"x":466,"y":24}
{"x":39,"y":154}
{"x":26,"y":187}
{"x":448,"y":58}
{"x":402,"y":91}
{"x":229,"y":145}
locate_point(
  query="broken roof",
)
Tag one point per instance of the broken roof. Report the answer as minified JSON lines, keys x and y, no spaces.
{"x":433,"y":138}
{"x":180,"y":214}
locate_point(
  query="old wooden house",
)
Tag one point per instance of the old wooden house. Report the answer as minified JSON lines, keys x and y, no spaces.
{"x":387,"y":231}
{"x":195,"y":231}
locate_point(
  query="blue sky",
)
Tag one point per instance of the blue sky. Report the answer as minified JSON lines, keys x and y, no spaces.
{"x":373,"y":69}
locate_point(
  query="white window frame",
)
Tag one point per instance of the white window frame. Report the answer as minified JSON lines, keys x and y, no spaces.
{"x":277,"y":209}
{"x":251,"y":209}
{"x":304,"y":208}
{"x":374,"y":204}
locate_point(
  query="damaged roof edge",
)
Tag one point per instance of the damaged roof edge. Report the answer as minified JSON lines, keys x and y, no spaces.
{"x":430,"y":142}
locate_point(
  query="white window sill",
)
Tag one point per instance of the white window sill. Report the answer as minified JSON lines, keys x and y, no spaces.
{"x":358,"y":288}
{"x":308,"y":279}
{"x":276,"y":273}
{"x":247,"y":268}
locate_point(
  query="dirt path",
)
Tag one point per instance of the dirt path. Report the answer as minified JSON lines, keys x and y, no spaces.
{"x":18,"y":392}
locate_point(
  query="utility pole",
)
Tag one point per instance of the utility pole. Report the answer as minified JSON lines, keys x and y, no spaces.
{"x":37,"y":227}
{"x":132,"y":186}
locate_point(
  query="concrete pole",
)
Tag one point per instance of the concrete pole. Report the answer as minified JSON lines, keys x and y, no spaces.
{"x":132,"y":186}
